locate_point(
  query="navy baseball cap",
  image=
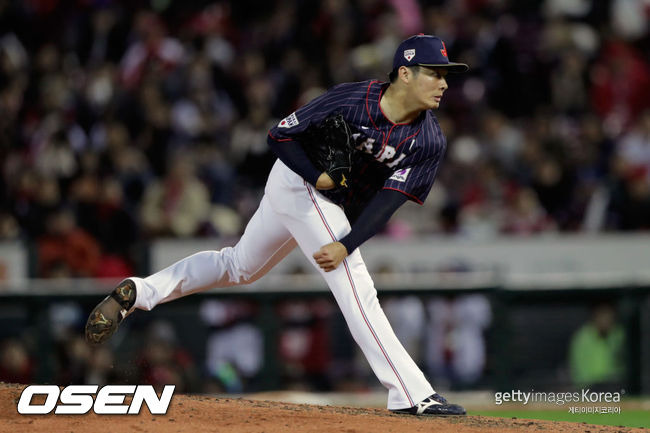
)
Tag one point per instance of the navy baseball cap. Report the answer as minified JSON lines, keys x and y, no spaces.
{"x":425,"y":50}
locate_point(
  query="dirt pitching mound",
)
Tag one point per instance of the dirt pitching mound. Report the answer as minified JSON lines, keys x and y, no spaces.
{"x":190,"y":413}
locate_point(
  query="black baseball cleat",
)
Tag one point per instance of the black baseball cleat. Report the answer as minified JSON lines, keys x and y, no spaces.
{"x":107,"y":315}
{"x":434,"y":405}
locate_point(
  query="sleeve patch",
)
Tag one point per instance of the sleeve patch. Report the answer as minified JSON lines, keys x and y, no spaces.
{"x":289,"y":122}
{"x":400,"y":175}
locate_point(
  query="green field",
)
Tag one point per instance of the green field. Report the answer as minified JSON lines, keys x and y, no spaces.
{"x":627,"y":418}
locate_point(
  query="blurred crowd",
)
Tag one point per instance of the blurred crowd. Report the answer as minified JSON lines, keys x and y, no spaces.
{"x":122,"y":122}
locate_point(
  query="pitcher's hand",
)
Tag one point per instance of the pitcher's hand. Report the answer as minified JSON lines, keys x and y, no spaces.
{"x":330,"y":256}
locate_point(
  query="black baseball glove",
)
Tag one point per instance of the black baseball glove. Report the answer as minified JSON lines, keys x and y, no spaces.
{"x":330,"y":146}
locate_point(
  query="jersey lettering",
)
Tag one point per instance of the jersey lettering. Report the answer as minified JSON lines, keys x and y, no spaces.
{"x":387,"y":154}
{"x":397,"y":161}
{"x":365,"y":145}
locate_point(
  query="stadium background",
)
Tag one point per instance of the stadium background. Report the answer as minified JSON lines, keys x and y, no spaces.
{"x":134,"y":133}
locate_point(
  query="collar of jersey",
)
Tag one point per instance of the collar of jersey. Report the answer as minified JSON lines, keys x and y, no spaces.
{"x":382,"y":118}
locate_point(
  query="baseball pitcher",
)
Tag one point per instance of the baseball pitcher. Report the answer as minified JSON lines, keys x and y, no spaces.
{"x":346,"y":162}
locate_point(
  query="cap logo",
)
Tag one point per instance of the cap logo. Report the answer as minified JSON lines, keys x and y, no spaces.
{"x":409,"y":54}
{"x":443,"y":50}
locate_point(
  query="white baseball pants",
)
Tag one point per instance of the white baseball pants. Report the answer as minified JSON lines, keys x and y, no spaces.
{"x":294,"y":212}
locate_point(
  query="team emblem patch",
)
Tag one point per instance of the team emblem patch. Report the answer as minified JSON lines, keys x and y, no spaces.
{"x":409,"y":54}
{"x":289,"y":122}
{"x":401,"y":175}
{"x":443,"y":50}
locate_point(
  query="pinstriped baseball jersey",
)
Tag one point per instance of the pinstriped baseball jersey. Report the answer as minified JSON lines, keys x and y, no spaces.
{"x":402,"y":157}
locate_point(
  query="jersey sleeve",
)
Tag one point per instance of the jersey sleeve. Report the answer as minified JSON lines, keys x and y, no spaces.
{"x":415,"y":181}
{"x":312,"y":113}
